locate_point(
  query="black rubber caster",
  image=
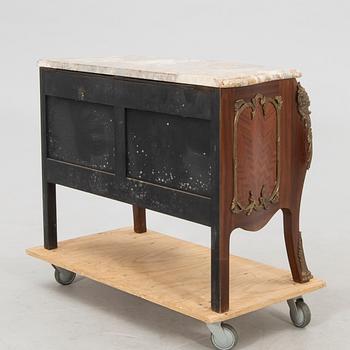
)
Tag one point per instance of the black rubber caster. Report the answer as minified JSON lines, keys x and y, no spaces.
{"x":63,"y":276}
{"x":300,"y":313}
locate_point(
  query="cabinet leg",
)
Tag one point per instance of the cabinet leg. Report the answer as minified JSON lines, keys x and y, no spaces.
{"x":49,"y":215}
{"x":139,"y":219}
{"x":220,"y":270}
{"x":294,"y":245}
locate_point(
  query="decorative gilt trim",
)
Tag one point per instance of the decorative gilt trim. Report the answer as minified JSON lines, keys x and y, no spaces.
{"x":304,"y":111}
{"x":262,"y":201}
{"x":305,"y":273}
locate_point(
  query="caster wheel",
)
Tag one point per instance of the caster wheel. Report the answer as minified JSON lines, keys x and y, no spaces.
{"x":63,"y":276}
{"x":223,"y":336}
{"x":300,"y":313}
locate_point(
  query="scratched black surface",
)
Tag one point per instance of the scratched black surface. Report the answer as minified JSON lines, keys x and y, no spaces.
{"x":81,"y":133}
{"x":169,"y":150}
{"x":93,"y":127}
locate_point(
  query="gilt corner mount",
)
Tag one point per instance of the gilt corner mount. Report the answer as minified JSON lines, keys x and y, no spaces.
{"x":304,"y":111}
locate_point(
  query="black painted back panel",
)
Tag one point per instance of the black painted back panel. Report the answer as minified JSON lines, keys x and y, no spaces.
{"x":80,"y":133}
{"x":94,"y":128}
{"x":168,"y":150}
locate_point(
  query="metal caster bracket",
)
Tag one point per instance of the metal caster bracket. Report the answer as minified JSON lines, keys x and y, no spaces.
{"x":300,"y":313}
{"x":63,"y":276}
{"x":223,"y":335}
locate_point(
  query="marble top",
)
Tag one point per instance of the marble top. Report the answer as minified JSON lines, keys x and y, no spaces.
{"x":221,"y":74}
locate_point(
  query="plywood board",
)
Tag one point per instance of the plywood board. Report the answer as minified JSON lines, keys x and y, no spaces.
{"x":172,"y":272}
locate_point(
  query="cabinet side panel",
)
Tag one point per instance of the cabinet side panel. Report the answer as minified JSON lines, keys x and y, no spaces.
{"x":250,"y":166}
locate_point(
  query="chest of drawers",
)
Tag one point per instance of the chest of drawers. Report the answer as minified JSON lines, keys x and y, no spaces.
{"x":220,"y":145}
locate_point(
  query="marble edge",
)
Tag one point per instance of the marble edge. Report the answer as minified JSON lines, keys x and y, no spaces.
{"x":264,"y":75}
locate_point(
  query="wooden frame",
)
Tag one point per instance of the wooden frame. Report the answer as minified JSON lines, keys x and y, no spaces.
{"x":210,"y":111}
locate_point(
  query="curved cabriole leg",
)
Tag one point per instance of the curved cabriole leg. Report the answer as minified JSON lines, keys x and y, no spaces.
{"x":294,"y":245}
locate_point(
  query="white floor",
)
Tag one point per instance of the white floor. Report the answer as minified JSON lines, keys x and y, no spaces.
{"x":37,"y":313}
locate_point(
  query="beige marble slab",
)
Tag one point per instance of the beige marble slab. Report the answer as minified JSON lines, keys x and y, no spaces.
{"x":221,"y":74}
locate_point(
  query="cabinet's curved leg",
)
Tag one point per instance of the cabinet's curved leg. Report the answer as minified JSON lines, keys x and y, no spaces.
{"x":139,"y":215}
{"x":294,"y":245}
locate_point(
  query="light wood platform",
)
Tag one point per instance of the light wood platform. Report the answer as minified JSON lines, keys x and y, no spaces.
{"x":171,"y":272}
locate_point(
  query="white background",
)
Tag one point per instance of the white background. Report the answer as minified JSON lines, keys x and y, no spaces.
{"x":313,"y":36}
